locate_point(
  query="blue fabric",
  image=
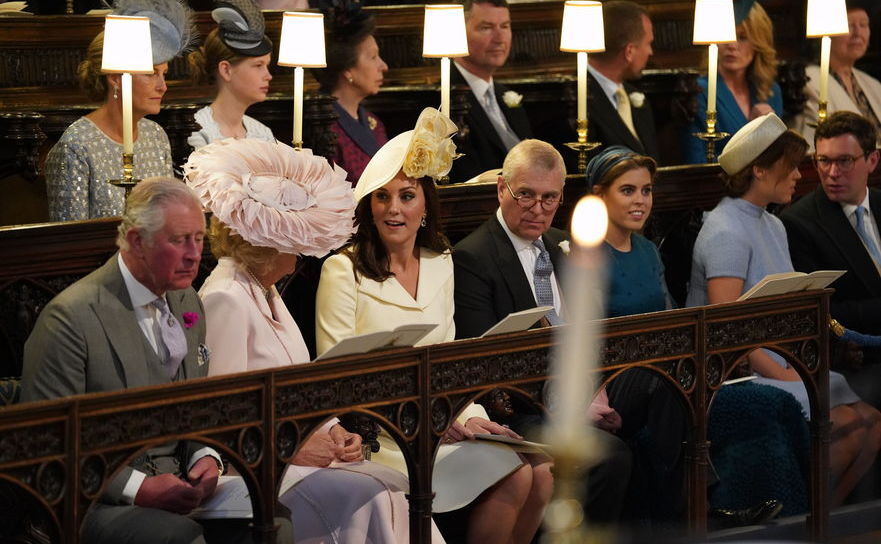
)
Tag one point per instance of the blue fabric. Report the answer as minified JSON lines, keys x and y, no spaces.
{"x":636,"y":279}
{"x":741,"y":240}
{"x":759,"y":445}
{"x":738,"y":240}
{"x":729,"y":118}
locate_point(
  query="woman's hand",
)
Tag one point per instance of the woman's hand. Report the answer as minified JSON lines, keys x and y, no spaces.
{"x":759,"y":110}
{"x":318,"y":451}
{"x":476,"y":425}
{"x":348,"y":444}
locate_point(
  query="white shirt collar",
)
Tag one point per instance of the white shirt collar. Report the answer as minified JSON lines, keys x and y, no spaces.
{"x":518,"y":242}
{"x":478,"y":85}
{"x":137,"y":291}
{"x":849,"y":209}
{"x":607,"y":85}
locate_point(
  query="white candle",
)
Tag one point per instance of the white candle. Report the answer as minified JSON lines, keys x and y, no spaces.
{"x":577,"y":352}
{"x":127,"y":135}
{"x":582,"y":85}
{"x":825,"y":45}
{"x":298,"y":105}
{"x":445,"y":86}
{"x":712,"y":70}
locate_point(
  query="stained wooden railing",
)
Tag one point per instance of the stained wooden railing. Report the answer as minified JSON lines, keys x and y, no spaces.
{"x":62,"y":453}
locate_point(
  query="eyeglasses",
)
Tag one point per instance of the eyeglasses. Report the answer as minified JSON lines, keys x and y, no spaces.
{"x":845,"y":162}
{"x":527,"y":200}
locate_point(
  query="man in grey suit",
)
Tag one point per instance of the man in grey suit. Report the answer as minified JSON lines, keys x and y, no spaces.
{"x":136,"y":321}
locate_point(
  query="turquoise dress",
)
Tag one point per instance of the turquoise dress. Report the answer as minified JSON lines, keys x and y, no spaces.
{"x":729,"y":118}
{"x":636,"y":279}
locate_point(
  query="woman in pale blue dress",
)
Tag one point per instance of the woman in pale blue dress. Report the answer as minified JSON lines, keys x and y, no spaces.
{"x":740,"y":243}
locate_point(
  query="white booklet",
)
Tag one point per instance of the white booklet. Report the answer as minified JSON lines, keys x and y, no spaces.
{"x":403,"y":336}
{"x":790,"y":282}
{"x":230,"y":500}
{"x":518,"y":321}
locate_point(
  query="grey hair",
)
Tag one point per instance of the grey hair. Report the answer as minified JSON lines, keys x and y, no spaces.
{"x":145,"y":206}
{"x":532,"y":153}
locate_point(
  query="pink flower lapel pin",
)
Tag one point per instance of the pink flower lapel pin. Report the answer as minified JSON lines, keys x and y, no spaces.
{"x":190,"y":319}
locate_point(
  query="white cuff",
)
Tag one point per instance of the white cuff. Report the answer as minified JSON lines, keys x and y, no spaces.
{"x":328,"y":424}
{"x":130,"y":490}
{"x":203,"y":452}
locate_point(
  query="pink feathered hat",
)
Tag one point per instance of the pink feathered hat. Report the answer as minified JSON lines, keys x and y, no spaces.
{"x":274,"y":196}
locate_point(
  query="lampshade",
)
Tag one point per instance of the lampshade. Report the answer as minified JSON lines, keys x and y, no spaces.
{"x":714,"y":22}
{"x":127,"y":45}
{"x":826,"y":18}
{"x":302,"y":40}
{"x":444,"y":32}
{"x":582,"y":27}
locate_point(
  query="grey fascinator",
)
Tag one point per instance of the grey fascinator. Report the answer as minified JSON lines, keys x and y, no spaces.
{"x":241,"y":27}
{"x":171,"y":25}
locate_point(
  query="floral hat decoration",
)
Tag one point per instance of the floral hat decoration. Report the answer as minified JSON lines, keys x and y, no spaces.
{"x":274,"y":196}
{"x":427,"y":150}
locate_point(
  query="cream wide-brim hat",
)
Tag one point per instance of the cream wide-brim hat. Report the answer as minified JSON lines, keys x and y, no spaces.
{"x":427,"y":150}
{"x":749,"y":142}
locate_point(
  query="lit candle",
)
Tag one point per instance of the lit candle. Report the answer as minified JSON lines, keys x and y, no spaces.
{"x":582,"y":85}
{"x":127,"y":136}
{"x":712,"y":70}
{"x":298,"y":105}
{"x":577,"y":352}
{"x":825,"y":46}
{"x":445,"y":86}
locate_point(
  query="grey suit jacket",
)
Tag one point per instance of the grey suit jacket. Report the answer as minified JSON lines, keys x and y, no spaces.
{"x":87,"y":340}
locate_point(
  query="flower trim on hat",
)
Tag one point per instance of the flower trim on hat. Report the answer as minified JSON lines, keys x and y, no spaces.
{"x":431,"y":151}
{"x":274,"y":196}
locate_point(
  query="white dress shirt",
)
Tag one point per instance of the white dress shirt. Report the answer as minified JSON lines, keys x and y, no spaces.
{"x":485,"y":93}
{"x":528,"y":254}
{"x":607,"y":85}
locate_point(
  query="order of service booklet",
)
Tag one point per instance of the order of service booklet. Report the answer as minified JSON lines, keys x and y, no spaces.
{"x":403,"y":336}
{"x":790,"y":282}
{"x":518,"y":321}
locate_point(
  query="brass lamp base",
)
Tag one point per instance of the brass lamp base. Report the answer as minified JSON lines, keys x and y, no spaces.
{"x":821,"y":112}
{"x":711,"y":138}
{"x":298,"y":146}
{"x":582,"y":146}
{"x":128,"y":181}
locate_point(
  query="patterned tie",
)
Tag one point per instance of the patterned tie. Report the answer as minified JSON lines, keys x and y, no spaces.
{"x":541,"y":279}
{"x":863,"y":231}
{"x":509,"y":139}
{"x":624,"y":110}
{"x":174,"y":341}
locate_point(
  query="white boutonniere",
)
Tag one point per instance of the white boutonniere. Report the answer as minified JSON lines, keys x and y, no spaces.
{"x":637,"y":99}
{"x":512,"y":99}
{"x":564,"y":247}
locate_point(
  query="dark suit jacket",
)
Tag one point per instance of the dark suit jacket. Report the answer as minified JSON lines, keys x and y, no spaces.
{"x":607,"y":127}
{"x":482,"y":146}
{"x":821,"y":238}
{"x":87,"y":340}
{"x":489,"y":279}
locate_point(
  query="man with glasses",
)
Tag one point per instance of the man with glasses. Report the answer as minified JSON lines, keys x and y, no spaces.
{"x":836,"y":228}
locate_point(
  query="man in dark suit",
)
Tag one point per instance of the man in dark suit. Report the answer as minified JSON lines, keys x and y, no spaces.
{"x":135,"y":322}
{"x":509,"y":264}
{"x":495,"y":120}
{"x":618,"y":114}
{"x":836,"y":228}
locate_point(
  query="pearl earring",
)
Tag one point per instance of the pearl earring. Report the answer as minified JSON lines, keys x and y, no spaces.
{"x":422,"y":223}
{"x":116,"y":93}
{"x":350,"y":80}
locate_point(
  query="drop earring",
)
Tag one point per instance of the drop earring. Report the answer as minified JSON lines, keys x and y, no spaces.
{"x":422,"y":223}
{"x":116,"y":93}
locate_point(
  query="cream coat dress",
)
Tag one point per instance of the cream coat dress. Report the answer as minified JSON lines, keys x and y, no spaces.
{"x":838,"y":100}
{"x":349,"y":503}
{"x":346,"y":307}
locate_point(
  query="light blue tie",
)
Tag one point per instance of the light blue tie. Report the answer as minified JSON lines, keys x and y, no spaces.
{"x":174,"y":341}
{"x":541,"y":279}
{"x":863,"y":231}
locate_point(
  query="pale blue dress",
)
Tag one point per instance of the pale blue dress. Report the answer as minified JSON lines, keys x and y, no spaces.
{"x":741,"y":240}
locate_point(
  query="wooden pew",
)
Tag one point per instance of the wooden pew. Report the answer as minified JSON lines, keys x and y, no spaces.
{"x":60,"y":454}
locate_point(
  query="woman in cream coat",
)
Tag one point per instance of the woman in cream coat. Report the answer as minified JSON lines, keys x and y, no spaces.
{"x":297,"y":204}
{"x":849,"y":89}
{"x":399,"y":271}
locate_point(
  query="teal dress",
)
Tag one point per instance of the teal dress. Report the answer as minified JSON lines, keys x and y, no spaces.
{"x":636,"y":279}
{"x":729,"y":118}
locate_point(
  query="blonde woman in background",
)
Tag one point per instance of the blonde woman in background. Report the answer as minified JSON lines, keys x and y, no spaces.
{"x":746,"y":85}
{"x":235,"y":57}
{"x":89,"y":153}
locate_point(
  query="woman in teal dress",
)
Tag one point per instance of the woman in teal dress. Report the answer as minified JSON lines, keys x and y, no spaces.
{"x":746,"y":88}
